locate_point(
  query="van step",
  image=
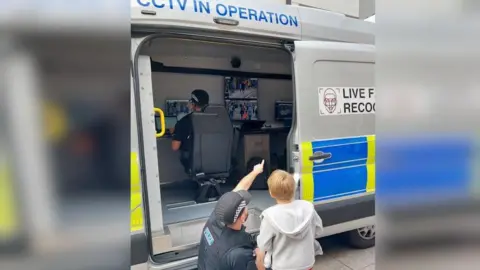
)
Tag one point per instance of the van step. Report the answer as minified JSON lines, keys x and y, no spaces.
{"x":185,"y":211}
{"x":180,"y":204}
{"x":187,"y":234}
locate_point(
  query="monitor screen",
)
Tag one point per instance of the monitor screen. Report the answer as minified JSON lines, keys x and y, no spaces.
{"x":170,"y":122}
{"x":242,"y":109}
{"x":283,"y":110}
{"x":241,"y":88}
{"x":175,"y":108}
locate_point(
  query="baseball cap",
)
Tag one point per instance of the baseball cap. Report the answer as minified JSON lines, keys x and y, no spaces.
{"x":230,"y":206}
{"x":200,"y":97}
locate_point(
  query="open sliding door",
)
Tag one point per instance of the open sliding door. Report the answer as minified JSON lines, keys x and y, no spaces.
{"x":147,"y":228}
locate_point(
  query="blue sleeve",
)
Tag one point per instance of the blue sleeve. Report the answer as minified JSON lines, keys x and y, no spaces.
{"x":241,"y":259}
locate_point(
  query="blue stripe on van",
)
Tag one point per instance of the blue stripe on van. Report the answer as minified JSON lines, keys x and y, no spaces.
{"x":425,"y":169}
{"x":332,"y":166}
{"x":342,"y":153}
{"x":341,"y":181}
{"x":345,"y":173}
{"x":331,"y":142}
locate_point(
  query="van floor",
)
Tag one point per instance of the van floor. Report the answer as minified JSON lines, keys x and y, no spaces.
{"x":178,"y":202}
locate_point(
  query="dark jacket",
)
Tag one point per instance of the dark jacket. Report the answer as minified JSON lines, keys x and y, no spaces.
{"x":222,"y":248}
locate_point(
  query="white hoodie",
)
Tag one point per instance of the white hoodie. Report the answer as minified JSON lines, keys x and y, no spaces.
{"x":288,"y":233}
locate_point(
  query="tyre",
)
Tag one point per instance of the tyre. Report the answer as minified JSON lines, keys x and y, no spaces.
{"x":362,"y":238}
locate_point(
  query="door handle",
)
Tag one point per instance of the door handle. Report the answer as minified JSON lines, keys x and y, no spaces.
{"x":320,"y":155}
{"x":162,"y":122}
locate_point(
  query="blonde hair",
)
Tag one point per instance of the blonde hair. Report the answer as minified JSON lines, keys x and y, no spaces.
{"x":281,"y":185}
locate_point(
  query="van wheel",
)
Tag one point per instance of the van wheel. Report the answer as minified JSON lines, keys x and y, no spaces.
{"x":362,"y":238}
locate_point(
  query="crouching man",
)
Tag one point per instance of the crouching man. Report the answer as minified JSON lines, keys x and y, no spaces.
{"x":224,"y":244}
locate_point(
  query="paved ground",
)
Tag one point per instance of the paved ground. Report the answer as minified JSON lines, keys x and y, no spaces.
{"x":339,"y":256}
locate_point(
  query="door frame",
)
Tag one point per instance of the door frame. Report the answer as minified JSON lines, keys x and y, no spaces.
{"x":156,"y":233}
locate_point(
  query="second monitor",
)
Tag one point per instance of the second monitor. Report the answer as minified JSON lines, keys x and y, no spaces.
{"x":283,"y":110}
{"x":241,"y":88}
{"x":242,"y":109}
{"x":176,"y":108}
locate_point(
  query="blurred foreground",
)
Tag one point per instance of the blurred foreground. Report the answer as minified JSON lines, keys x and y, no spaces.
{"x":64,"y":144}
{"x":428,"y":206}
{"x":64,"y":135}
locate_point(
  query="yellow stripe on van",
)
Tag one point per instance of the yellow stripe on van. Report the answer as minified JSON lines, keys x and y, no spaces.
{"x":8,"y":217}
{"x":135,"y":184}
{"x":371,"y":164}
{"x":136,"y":210}
{"x":307,"y":171}
{"x":56,"y":122}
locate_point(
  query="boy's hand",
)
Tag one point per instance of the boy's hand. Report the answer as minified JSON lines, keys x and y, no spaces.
{"x":258,"y":169}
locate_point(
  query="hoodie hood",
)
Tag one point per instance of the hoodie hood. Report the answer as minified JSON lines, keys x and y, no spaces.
{"x":293,"y":220}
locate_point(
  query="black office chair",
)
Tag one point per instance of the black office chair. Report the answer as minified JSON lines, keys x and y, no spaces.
{"x":220,"y":109}
{"x":210,"y":160}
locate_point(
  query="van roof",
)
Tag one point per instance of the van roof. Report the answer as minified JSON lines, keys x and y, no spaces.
{"x":250,"y":17}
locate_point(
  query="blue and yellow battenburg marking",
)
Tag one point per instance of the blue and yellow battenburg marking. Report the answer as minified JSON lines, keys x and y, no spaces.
{"x":350,"y":170}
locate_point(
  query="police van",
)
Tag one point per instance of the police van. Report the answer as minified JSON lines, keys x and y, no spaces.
{"x":307,"y":79}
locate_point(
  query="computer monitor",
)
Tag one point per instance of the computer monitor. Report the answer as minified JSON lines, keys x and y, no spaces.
{"x":242,"y":109}
{"x":241,"y":88}
{"x":283,"y":110}
{"x":170,"y":122}
{"x":174,"y":108}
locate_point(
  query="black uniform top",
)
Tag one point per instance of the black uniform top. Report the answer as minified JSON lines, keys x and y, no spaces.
{"x":240,"y":259}
{"x":183,"y":133}
{"x":225,"y":249}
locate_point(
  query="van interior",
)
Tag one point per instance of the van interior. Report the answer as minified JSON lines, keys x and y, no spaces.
{"x":251,"y":87}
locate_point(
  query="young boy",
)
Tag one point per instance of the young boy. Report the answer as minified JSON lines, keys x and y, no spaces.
{"x":288,"y":229}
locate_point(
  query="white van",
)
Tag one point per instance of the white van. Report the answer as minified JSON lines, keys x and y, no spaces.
{"x":321,"y":63}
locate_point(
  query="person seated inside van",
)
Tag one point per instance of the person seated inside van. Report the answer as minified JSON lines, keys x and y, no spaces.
{"x":182,"y":133}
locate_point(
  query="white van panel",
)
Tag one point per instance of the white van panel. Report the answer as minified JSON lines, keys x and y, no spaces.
{"x":331,"y":64}
{"x":281,"y":21}
{"x":337,"y":145}
{"x":319,"y":24}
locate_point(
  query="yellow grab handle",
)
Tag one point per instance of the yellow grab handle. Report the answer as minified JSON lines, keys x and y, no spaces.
{"x":162,"y":122}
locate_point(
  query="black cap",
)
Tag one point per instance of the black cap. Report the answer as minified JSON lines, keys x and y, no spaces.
{"x":200,"y":97}
{"x":230,"y":206}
